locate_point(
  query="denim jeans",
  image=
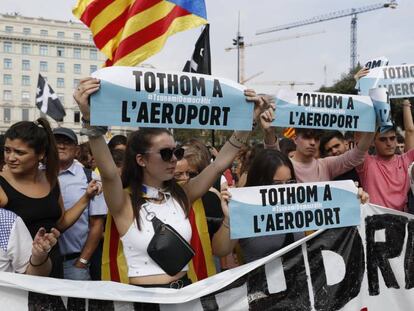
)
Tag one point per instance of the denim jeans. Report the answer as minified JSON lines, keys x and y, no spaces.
{"x":71,"y":272}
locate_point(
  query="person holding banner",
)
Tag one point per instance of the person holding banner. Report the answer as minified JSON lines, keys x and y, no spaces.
{"x":385,"y":175}
{"x":147,"y":188}
{"x":269,"y":167}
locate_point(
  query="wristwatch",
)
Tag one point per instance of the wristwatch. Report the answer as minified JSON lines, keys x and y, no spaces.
{"x":83,"y":260}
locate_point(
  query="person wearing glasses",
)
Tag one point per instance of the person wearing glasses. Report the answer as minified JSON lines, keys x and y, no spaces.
{"x":147,"y":178}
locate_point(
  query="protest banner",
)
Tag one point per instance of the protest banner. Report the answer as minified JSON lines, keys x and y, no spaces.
{"x":369,"y":267}
{"x":324,"y":111}
{"x":380,"y":99}
{"x":131,"y":96}
{"x":399,"y":80}
{"x":376,"y":62}
{"x":266,"y":210}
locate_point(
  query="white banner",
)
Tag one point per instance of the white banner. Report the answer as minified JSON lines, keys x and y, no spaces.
{"x":369,"y":267}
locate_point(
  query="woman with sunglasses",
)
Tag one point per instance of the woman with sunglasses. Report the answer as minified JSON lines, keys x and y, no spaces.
{"x":269,"y":167}
{"x":147,"y":185}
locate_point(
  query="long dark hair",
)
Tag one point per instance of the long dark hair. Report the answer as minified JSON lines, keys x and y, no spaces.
{"x":133,"y":175}
{"x":39,"y":136}
{"x":264,"y":167}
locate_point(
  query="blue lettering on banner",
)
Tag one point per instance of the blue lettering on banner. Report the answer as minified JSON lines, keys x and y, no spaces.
{"x":156,"y":99}
{"x":324,"y":111}
{"x":271,"y":210}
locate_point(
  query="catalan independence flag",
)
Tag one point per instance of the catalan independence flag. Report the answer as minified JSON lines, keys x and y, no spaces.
{"x":114,"y":266}
{"x":130,"y":31}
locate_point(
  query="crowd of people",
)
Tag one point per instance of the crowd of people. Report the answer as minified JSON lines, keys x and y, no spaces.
{"x":55,"y":194}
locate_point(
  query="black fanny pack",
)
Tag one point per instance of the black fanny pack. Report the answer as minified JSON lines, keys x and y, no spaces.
{"x":167,"y":247}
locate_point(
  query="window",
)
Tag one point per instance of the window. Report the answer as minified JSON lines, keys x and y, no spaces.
{"x":9,"y":29}
{"x":60,"y":34}
{"x":7,"y":47}
{"x":7,"y":79}
{"x":43,"y":66}
{"x":93,"y":54}
{"x":76,"y":117}
{"x":60,"y":67}
{"x":77,"y":68}
{"x":6,"y":115}
{"x":76,"y":83}
{"x":25,"y":48}
{"x":76,"y":36}
{"x":43,"y":32}
{"x":60,"y":51}
{"x":25,"y":114}
{"x":25,"y":64}
{"x":25,"y":96}
{"x":61,"y":98}
{"x":60,"y":82}
{"x":43,"y":50}
{"x":7,"y":95}
{"x":93,"y":68}
{"x":26,"y":80}
{"x":7,"y":63}
{"x":76,"y":53}
{"x":27,"y":31}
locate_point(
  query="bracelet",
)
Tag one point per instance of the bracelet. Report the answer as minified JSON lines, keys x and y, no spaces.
{"x":225,"y":224}
{"x":242,"y":142}
{"x":94,"y":131}
{"x":235,"y":146}
{"x":30,"y":261}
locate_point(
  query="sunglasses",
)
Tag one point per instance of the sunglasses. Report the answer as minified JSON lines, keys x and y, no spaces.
{"x":282,"y":182}
{"x":167,"y":153}
{"x":384,"y":139}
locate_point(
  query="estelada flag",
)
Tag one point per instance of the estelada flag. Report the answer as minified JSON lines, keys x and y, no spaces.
{"x":114,"y":266}
{"x":130,"y":31}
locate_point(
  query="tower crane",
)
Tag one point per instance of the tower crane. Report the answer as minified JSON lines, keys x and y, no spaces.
{"x":240,"y":45}
{"x":338,"y":14}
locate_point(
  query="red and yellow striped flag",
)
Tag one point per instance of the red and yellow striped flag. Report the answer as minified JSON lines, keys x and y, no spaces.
{"x":289,"y":132}
{"x":114,"y":266}
{"x":130,"y":31}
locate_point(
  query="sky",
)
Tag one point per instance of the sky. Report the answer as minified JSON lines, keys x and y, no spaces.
{"x":320,"y":58}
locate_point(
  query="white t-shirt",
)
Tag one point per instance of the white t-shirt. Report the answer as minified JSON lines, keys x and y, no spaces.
{"x":15,"y":243}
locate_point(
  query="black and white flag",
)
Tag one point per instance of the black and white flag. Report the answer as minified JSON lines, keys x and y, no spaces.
{"x":201,"y":60}
{"x":47,"y":100}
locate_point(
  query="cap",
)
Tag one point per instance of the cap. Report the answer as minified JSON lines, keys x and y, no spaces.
{"x":66,"y":132}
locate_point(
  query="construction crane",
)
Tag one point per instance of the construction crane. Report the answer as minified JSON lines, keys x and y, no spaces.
{"x":239,"y":45}
{"x":333,"y":15}
{"x":283,"y":83}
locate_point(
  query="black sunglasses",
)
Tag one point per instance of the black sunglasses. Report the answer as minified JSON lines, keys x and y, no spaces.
{"x":167,"y":153}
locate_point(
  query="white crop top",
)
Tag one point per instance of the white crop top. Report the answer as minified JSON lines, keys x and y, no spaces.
{"x":135,"y":242}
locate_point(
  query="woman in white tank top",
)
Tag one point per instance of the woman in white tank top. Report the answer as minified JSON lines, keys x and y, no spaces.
{"x":150,"y":160}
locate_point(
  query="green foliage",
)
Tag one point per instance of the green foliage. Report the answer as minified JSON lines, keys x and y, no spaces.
{"x":345,"y":85}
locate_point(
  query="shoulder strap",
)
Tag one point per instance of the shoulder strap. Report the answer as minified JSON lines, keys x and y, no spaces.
{"x":88,"y":173}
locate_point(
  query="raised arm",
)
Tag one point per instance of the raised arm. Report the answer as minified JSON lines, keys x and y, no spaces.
{"x":199,"y":185}
{"x":111,"y":181}
{"x":71,"y":215}
{"x":408,"y":125}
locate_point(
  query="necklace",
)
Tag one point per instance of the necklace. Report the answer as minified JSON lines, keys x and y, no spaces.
{"x":154,"y":194}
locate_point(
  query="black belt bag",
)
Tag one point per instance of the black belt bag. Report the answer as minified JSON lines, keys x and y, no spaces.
{"x":167,"y":247}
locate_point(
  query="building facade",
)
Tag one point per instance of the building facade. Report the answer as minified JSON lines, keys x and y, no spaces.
{"x":61,"y":51}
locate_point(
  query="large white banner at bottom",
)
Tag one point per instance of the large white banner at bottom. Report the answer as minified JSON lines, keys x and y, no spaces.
{"x":369,"y":267}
